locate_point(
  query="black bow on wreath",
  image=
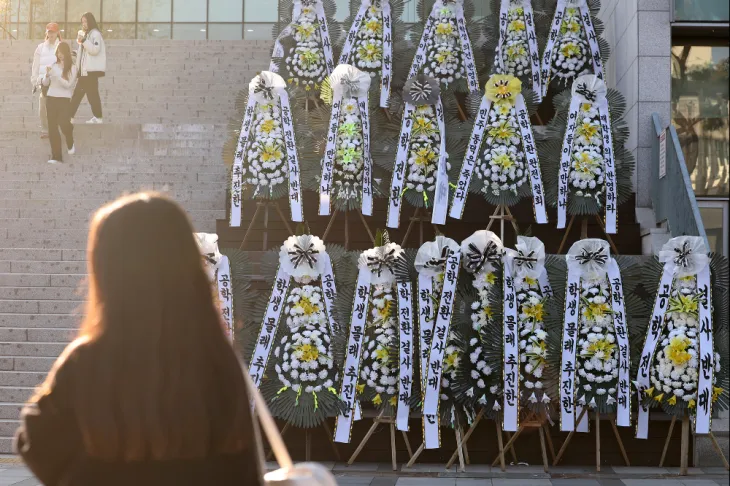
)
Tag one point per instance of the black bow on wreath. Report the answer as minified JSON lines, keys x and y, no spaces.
{"x":475,"y":259}
{"x":268,"y":91}
{"x":378,"y":263}
{"x":527,"y":261}
{"x":301,"y":255}
{"x":583,"y":90}
{"x":682,"y":258}
{"x":420,"y":91}
{"x":587,"y":256}
{"x":210,"y":258}
{"x":439,"y":261}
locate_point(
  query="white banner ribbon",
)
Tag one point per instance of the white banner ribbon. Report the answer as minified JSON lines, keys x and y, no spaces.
{"x":367,"y":161}
{"x":569,"y":344}
{"x":565,"y":163}
{"x":426,"y":314}
{"x":621,"y":331}
{"x":225,"y":294}
{"x":511,"y":346}
{"x":532,"y":46}
{"x":399,"y":170}
{"x":441,"y":196}
{"x":237,"y":179}
{"x":330,"y":292}
{"x":706,"y":358}
{"x":470,"y":159}
{"x":441,"y":335}
{"x":533,"y":163}
{"x":547,"y":57}
{"x":609,"y":168}
{"x":348,"y":392}
{"x":585,"y":14}
{"x":295,"y":186}
{"x":405,"y":354}
{"x":270,"y":324}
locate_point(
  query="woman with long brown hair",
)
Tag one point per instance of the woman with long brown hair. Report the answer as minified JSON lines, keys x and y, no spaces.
{"x":60,"y":79}
{"x":150,"y":392}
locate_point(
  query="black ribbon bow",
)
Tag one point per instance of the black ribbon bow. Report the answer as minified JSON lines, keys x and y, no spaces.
{"x":420,"y":90}
{"x":587,"y":256}
{"x":439,"y":261}
{"x":527,"y":261}
{"x":682,"y":258}
{"x":268,"y":91}
{"x":475,"y":259}
{"x":588,"y":94}
{"x":210,"y":258}
{"x":301,"y":255}
{"x":378,"y":263}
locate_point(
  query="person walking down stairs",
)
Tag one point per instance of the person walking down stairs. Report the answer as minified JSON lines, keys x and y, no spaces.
{"x":60,"y":79}
{"x":91,"y":64}
{"x":44,"y":56}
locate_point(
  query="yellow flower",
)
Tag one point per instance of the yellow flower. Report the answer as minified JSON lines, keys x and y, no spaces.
{"x":504,"y":161}
{"x":601,"y":348}
{"x":535,"y":311}
{"x":516,"y":25}
{"x":572,"y":26}
{"x":595,"y":311}
{"x":444,"y":29}
{"x":361,"y":388}
{"x":384,"y":313}
{"x":309,"y":57}
{"x":393,"y":400}
{"x":658,"y":398}
{"x":490,"y":278}
{"x":381,"y":355}
{"x":586,"y":107}
{"x":716,"y":392}
{"x":673,"y":400}
{"x":514,"y":51}
{"x":378,"y":399}
{"x":370,"y":51}
{"x":676,"y":352}
{"x":374,"y":26}
{"x":451,"y":360}
{"x":530,"y":281}
{"x":691,"y":403}
{"x":423,"y":126}
{"x":503,"y":87}
{"x":503,"y":131}
{"x":309,"y":353}
{"x":649,"y":391}
{"x":488,"y":312}
{"x":570,"y":49}
{"x":587,"y":130}
{"x":305,"y":31}
{"x":688,"y":304}
{"x":268,"y":126}
{"x":425,"y":156}
{"x":585,"y":164}
{"x":271,"y":152}
{"x":306,"y":306}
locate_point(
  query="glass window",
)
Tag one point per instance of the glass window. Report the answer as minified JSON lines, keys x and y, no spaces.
{"x":258,"y":11}
{"x":20,"y":13}
{"x":343,"y":10}
{"x":225,"y":31}
{"x":714,"y":219}
{"x":48,"y":10}
{"x":112,"y":30}
{"x":700,"y":113}
{"x":154,"y":11}
{"x":189,"y":31}
{"x":76,"y":8}
{"x":18,"y":31}
{"x":701,"y":11}
{"x":257,"y":31}
{"x":118,"y":11}
{"x":189,"y":11}
{"x":225,"y":11}
{"x":154,"y":31}
{"x":410,"y":13}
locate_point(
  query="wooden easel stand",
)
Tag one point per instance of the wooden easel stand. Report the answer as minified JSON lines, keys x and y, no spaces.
{"x":462,"y":453}
{"x":503,"y":213}
{"x":390,"y":421}
{"x":308,"y":442}
{"x":265,"y":205}
{"x":534,"y":423}
{"x":419,"y":215}
{"x":347,"y":228}
{"x":684,"y":459}
{"x":598,"y":440}
{"x":584,"y":232}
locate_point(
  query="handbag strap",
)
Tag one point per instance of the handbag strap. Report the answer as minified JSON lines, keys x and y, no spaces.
{"x":267,"y":422}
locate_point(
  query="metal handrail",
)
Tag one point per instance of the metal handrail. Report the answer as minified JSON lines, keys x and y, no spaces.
{"x":672,"y":195}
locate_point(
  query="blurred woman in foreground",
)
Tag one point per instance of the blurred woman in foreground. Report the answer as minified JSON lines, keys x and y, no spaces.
{"x":151,"y":392}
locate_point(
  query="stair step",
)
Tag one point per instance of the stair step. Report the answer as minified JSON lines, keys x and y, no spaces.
{"x":20,"y":378}
{"x":10,"y":410}
{"x":34,"y":335}
{"x":26,"y":363}
{"x":40,"y":321}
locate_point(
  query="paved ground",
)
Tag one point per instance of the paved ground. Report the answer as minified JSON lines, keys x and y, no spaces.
{"x":12,"y":473}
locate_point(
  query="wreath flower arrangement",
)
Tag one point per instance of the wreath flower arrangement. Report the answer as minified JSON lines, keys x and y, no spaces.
{"x":306,"y":62}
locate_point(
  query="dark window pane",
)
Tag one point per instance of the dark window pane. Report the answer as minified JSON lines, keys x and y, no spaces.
{"x":343,"y":9}
{"x":257,"y":31}
{"x":225,"y":10}
{"x":700,"y":113}
{"x":48,"y":10}
{"x":225,"y":31}
{"x":154,"y":11}
{"x":20,"y":13}
{"x":188,"y":31}
{"x":701,"y":10}
{"x":76,"y":8}
{"x":154,"y":31}
{"x":112,"y":30}
{"x":118,"y":11}
{"x":258,"y":11}
{"x":18,"y":31}
{"x":189,"y":11}
{"x":713,"y":219}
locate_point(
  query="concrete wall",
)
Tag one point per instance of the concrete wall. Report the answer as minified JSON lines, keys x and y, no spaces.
{"x":640,"y":36}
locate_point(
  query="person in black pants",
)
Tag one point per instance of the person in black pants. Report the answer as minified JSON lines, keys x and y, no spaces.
{"x":60,"y":79}
{"x":91,"y":64}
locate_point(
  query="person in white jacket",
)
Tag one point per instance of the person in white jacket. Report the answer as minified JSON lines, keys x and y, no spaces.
{"x":91,"y":65}
{"x":44,"y":56}
{"x":60,"y":79}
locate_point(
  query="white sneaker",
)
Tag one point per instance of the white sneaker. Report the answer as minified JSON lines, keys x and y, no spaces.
{"x":52,"y":161}
{"x":95,"y":121}
{"x":72,"y":150}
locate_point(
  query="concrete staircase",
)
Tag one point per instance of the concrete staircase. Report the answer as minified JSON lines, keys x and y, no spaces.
{"x":166,"y":108}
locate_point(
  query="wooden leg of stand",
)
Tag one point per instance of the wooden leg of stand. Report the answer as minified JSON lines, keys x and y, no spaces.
{"x":347,"y":231}
{"x":367,"y":228}
{"x":583,"y":228}
{"x":387,"y":114}
{"x":551,"y":448}
{"x":567,"y":233}
{"x":567,"y":439}
{"x":544,"y":450}
{"x":684,"y":459}
{"x":363,"y":442}
{"x":408,"y":444}
{"x":392,"y":447}
{"x":332,"y":440}
{"x":719,"y":451}
{"x":621,"y":443}
{"x":329,"y":225}
{"x":511,"y":447}
{"x":501,"y":229}
{"x":666,"y":442}
{"x":265,"y":239}
{"x":513,"y":221}
{"x":500,"y":445}
{"x":598,"y":442}
{"x":608,"y":237}
{"x":415,"y":455}
{"x":283,"y":218}
{"x":410,"y":226}
{"x":493,"y":218}
{"x":271,"y":452}
{"x":250,"y":226}
{"x":459,"y":446}
{"x":466,"y":438}
{"x":466,"y":450}
{"x":420,"y":231}
{"x":462,"y":115}
{"x":508,"y":445}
